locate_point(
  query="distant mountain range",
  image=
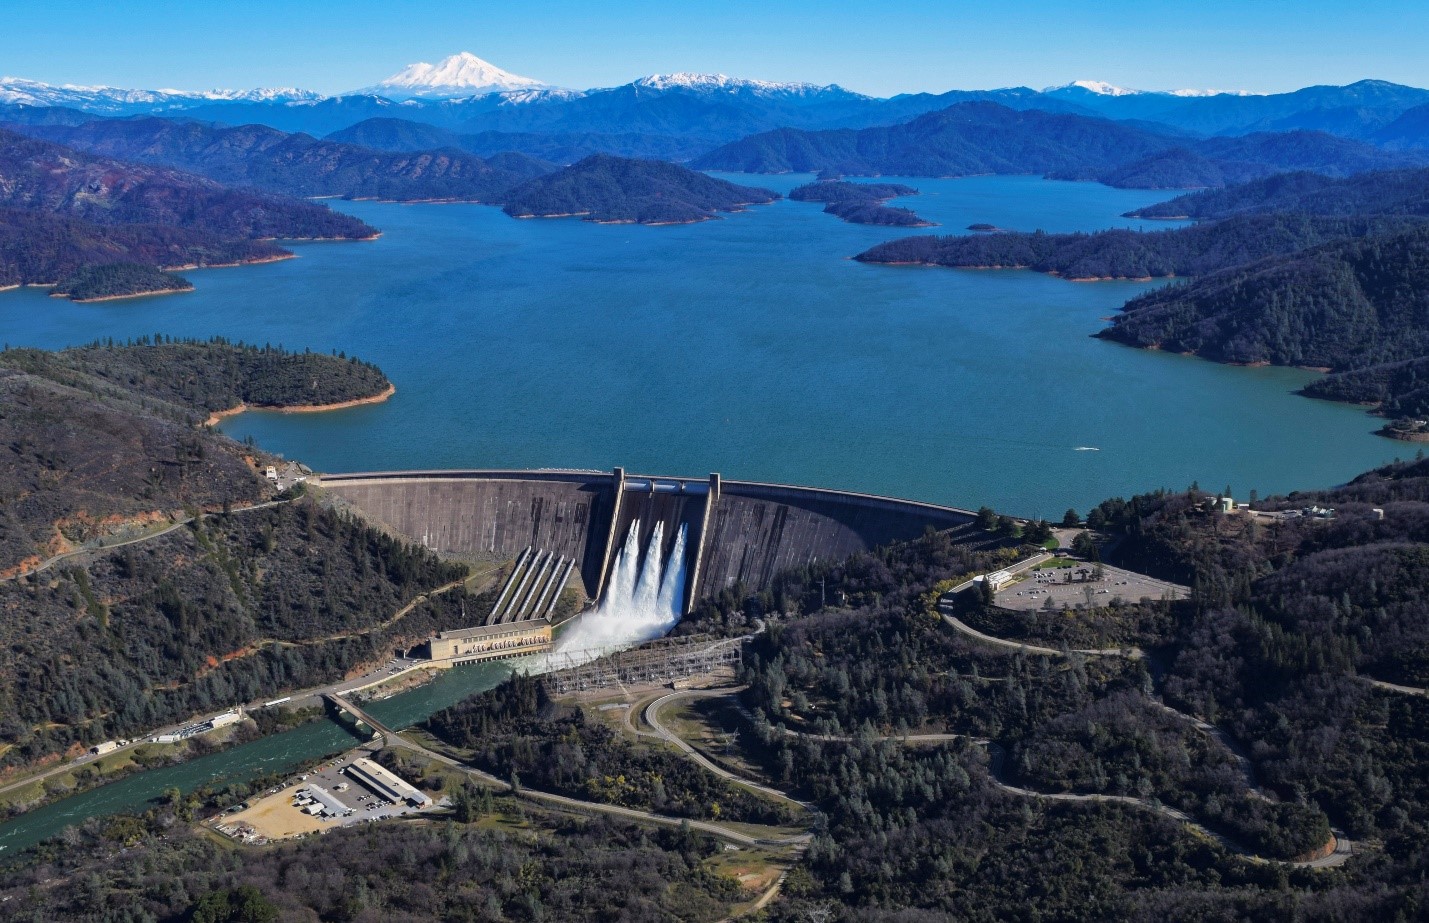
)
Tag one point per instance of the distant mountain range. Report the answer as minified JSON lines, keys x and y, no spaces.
{"x":296,"y":164}
{"x":100,"y":100}
{"x":677,"y":112}
{"x":985,"y":137}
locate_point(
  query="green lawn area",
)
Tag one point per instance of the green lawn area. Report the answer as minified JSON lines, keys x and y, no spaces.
{"x":1055,"y":563}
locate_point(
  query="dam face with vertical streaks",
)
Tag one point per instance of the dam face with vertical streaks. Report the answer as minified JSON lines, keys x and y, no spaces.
{"x":728,"y":532}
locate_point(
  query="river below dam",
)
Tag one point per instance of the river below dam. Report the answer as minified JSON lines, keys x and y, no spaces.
{"x":277,"y":753}
{"x":751,"y":346}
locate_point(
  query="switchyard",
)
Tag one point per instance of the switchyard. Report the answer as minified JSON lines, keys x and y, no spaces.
{"x":667,"y":660}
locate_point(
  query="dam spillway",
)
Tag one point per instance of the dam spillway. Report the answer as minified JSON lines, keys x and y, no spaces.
{"x":733,"y":531}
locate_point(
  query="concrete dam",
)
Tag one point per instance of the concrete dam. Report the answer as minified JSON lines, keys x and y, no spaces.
{"x":728,"y":531}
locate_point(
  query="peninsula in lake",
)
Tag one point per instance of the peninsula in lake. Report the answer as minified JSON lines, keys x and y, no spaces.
{"x":96,"y":227}
{"x":1121,"y":253}
{"x":1354,"y":307}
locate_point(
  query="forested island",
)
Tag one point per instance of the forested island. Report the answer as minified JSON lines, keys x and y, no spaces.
{"x":620,"y":190}
{"x":1127,"y":254}
{"x":861,"y":203}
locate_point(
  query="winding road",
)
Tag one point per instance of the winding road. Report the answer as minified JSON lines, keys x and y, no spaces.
{"x":715,"y":829}
{"x":101,"y":547}
{"x":1341,"y":852}
{"x":1342,"y":845}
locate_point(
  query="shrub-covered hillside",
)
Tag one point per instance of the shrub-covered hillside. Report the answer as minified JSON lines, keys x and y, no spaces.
{"x":218,"y":613}
{"x":1343,"y":305}
{"x":104,"y":437}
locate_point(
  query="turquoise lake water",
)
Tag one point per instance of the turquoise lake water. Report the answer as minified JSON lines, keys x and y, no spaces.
{"x":750,"y":346}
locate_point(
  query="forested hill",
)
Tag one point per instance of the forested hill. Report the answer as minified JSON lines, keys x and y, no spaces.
{"x":231,"y":605}
{"x":61,"y":211}
{"x":1216,"y":162}
{"x":1350,"y":306}
{"x":984,"y":137}
{"x":297,"y":164}
{"x":1400,"y":390}
{"x":119,"y":280}
{"x":1344,"y":305}
{"x":1385,"y":192}
{"x":975,"y":137}
{"x":388,"y":134}
{"x":101,"y":435}
{"x":617,"y":189}
{"x":44,"y":248}
{"x":46,"y":177}
{"x":1127,"y":254}
{"x":209,"y":375}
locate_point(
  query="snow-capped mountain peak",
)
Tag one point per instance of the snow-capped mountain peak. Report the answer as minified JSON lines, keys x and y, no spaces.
{"x":461,"y":74}
{"x":722,"y":83}
{"x":1198,"y":93}
{"x":1083,"y":88}
{"x":116,"y":100}
{"x":1095,"y":87}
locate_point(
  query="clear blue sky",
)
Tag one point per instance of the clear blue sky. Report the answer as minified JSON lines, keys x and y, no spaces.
{"x":875,"y":47}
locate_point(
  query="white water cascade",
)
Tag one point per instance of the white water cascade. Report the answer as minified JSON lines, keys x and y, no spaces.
{"x":640,"y":604}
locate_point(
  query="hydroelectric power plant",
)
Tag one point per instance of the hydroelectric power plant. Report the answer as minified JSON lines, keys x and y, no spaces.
{"x":645,"y":548}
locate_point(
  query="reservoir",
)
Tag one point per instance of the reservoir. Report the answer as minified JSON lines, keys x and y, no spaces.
{"x":751,"y":346}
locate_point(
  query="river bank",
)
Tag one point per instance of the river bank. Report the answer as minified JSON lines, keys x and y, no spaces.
{"x":57,"y":783}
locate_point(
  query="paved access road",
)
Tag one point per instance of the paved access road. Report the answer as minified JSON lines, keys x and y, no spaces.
{"x":1395,"y":687}
{"x":1133,"y":653}
{"x":1342,"y":844}
{"x":652,"y":718}
{"x":715,"y":829}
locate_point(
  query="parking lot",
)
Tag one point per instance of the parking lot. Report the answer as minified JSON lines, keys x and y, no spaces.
{"x":321,"y":799}
{"x":1075,"y":584}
